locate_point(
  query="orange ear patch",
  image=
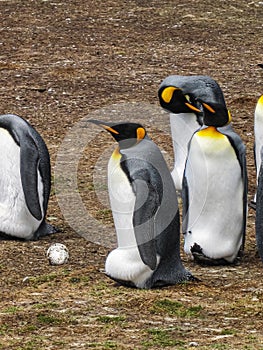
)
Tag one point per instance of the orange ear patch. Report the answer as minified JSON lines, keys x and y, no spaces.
{"x":167,"y":93}
{"x":140,"y":133}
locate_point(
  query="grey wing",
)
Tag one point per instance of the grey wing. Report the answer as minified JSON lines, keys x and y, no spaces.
{"x":29,"y":160}
{"x":143,"y":221}
{"x":146,"y":185}
{"x":185,"y":202}
{"x":240,"y":150}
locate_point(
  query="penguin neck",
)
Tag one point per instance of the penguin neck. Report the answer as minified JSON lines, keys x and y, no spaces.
{"x":210,"y":131}
{"x":116,"y":153}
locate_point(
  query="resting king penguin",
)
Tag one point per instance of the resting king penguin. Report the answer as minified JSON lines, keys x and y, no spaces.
{"x":24,"y":180}
{"x":177,"y":94}
{"x":215,"y":190}
{"x":145,"y":212}
{"x":258,"y":130}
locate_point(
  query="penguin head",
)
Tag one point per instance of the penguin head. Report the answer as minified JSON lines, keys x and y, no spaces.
{"x":260,"y":65}
{"x":215,"y":114}
{"x":176,"y":101}
{"x":125,"y":133}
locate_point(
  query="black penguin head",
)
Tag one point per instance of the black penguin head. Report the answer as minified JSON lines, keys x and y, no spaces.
{"x":125,"y":133}
{"x":215,"y":114}
{"x":260,"y":65}
{"x":176,"y":101}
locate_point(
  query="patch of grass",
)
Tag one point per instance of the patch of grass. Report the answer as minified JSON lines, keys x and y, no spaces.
{"x":48,"y":319}
{"x":28,"y":328}
{"x":220,"y":346}
{"x":175,"y":308}
{"x":104,"y":213}
{"x":109,"y":344}
{"x":12,"y":309}
{"x":228,"y":332}
{"x":82,"y":279}
{"x":162,"y":338}
{"x":111,"y":319}
{"x":3,"y":329}
{"x":49,"y":305}
{"x":42,"y":279}
{"x":31,"y":344}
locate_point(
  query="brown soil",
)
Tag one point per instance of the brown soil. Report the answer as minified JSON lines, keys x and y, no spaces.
{"x":63,"y":61}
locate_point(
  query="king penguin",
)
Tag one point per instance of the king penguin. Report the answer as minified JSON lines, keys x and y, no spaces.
{"x":177,"y":94}
{"x":145,"y":212}
{"x":258,"y":131}
{"x":215,"y":190}
{"x":24,"y":180}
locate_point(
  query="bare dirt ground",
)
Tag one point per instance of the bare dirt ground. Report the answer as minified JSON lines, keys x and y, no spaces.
{"x":62,"y":60}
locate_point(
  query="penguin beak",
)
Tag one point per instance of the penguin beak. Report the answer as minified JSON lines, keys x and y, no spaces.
{"x":110,"y":129}
{"x":193,"y":108}
{"x":103,"y":125}
{"x":209,"y":108}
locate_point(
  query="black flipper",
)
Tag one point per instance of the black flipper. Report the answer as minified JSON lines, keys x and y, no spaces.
{"x":144,"y":179}
{"x":29,"y":175}
{"x":240,"y":150}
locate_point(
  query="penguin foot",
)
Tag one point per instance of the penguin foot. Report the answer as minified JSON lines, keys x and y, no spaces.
{"x":186,"y":277}
{"x":45,"y":230}
{"x":202,"y":259}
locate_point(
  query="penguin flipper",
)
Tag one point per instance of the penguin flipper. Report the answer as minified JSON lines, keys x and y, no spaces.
{"x":259,"y":213}
{"x":240,"y":150}
{"x":29,"y":175}
{"x":185,"y":203}
{"x":146,"y":205}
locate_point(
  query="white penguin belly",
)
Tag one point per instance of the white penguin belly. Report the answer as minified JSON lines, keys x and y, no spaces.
{"x":15,"y":218}
{"x":183,"y":126}
{"x":215,"y":187}
{"x":124,"y":262}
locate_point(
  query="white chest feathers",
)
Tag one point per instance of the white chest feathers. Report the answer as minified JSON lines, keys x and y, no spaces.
{"x":215,"y":189}
{"x":15,"y":218}
{"x":122,"y":200}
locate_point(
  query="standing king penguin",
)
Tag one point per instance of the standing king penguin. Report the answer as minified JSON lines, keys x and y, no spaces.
{"x":24,"y":180}
{"x":177,"y":94}
{"x":215,"y":190}
{"x":258,"y":131}
{"x":145,"y":212}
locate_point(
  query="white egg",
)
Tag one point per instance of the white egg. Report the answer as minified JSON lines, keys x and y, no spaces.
{"x":57,"y":254}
